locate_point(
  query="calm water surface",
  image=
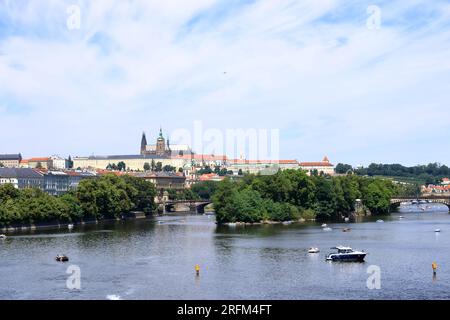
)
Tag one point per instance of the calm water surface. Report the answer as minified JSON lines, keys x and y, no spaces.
{"x":155,"y":259}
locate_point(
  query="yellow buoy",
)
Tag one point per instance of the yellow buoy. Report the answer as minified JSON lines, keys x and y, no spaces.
{"x":197,"y":269}
{"x":434,"y":266}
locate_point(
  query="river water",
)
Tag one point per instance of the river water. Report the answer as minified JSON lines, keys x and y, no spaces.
{"x":155,"y":259}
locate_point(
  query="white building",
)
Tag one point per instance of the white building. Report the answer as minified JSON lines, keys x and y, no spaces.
{"x":323,"y":166}
{"x":59,"y":163}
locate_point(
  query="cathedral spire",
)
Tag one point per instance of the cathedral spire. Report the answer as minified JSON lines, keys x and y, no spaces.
{"x":143,"y":143}
{"x":160,"y":132}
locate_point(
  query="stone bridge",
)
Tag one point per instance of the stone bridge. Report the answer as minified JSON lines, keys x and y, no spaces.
{"x":197,"y":206}
{"x":430,"y":199}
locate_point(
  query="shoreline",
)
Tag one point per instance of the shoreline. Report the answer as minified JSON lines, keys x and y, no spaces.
{"x":265,"y":222}
{"x":64,"y":225}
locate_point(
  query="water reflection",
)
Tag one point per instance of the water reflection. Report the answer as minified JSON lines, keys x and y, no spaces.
{"x":155,"y":259}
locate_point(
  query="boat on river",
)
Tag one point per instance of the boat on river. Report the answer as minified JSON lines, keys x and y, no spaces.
{"x":2,"y":236}
{"x":313,"y":250}
{"x":346,"y":254}
{"x":62,"y":258}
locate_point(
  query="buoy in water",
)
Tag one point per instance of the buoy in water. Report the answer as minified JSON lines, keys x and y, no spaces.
{"x":434,"y":266}
{"x":197,"y":269}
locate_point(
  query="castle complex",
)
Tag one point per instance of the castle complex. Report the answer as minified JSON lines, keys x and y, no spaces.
{"x":161,"y":148}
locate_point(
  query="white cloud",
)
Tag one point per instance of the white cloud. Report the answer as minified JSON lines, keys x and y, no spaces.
{"x":139,"y":64}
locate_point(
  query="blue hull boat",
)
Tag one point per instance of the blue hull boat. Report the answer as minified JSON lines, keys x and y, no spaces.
{"x":346,"y":254}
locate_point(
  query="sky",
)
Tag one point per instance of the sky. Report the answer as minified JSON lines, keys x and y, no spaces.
{"x":358,"y":81}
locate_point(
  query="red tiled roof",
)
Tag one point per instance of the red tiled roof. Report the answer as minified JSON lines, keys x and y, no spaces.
{"x":263,"y":161}
{"x":39,"y":159}
{"x":315,"y":164}
{"x":206,"y":157}
{"x":210,"y":176}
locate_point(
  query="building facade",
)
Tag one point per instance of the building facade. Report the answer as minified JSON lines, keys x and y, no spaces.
{"x":40,"y":163}
{"x":10,"y":160}
{"x":56,"y":183}
{"x":132,"y":162}
{"x":164,"y":180}
{"x":22,"y":178}
{"x":324,"y":167}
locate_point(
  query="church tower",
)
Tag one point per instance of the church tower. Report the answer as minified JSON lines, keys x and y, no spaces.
{"x":160,"y":144}
{"x":143,"y":143}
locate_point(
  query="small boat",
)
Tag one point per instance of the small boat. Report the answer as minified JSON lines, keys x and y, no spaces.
{"x":2,"y":236}
{"x":327,"y":229}
{"x":70,"y":226}
{"x":401,"y":217}
{"x":379,"y":221}
{"x":313,"y":250}
{"x":346,"y":254}
{"x":287,"y":222}
{"x":437,"y":230}
{"x":346,"y":230}
{"x":62,"y":258}
{"x":324,"y":225}
{"x":346,"y":219}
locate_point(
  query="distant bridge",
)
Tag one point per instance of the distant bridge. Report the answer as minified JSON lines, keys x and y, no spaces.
{"x":197,"y":206}
{"x":431,"y":199}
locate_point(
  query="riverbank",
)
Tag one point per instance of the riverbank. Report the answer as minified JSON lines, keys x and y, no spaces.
{"x":65,"y":225}
{"x":239,"y":223}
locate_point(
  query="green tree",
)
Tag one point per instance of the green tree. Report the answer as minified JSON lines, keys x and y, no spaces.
{"x":153,"y":165}
{"x":121,"y":166}
{"x":147,"y":166}
{"x":158,"y":167}
{"x":342,"y":168}
{"x":377,"y":195}
{"x":70,"y":162}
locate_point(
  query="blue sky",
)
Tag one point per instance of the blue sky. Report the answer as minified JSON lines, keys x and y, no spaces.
{"x":311,"y":69}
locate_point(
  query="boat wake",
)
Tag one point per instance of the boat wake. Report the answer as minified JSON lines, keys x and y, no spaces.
{"x":113,"y":297}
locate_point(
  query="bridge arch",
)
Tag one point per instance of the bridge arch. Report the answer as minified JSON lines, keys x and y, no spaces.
{"x":437,"y":199}
{"x":197,"y":206}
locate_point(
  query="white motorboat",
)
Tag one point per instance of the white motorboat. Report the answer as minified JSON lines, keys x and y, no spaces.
{"x":324,"y":225}
{"x":380,"y":221}
{"x":313,"y":250}
{"x":2,"y":236}
{"x":70,"y":226}
{"x":346,"y":254}
{"x":437,"y":230}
